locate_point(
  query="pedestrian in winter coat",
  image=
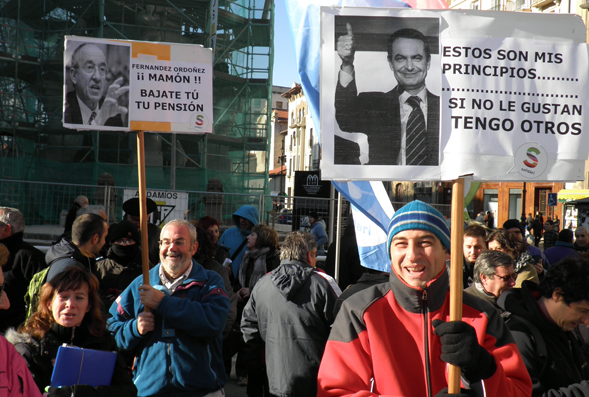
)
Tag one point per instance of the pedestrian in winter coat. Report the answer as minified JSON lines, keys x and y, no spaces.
{"x":290,"y":313}
{"x":555,"y":308}
{"x":397,"y":339}
{"x":245,"y":218}
{"x":16,"y":380}
{"x":69,"y":312}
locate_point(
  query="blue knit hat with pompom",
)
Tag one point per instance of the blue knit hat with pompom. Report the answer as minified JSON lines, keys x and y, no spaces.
{"x":421,"y":216}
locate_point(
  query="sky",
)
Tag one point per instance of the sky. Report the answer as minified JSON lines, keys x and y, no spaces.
{"x":285,"y":70}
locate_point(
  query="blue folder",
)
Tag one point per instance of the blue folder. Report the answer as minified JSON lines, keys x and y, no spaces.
{"x":77,"y":366}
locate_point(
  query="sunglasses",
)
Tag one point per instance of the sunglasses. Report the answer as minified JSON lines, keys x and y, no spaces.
{"x":507,"y":278}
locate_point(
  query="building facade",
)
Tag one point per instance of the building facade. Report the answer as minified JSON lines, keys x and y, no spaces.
{"x":301,"y":143}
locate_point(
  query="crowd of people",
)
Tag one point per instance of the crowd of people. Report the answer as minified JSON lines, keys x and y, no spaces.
{"x":213,"y":295}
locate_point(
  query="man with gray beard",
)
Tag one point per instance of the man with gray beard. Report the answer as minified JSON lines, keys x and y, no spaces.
{"x":175,"y":322}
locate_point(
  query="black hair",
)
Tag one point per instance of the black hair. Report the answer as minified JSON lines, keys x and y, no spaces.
{"x":408,"y":33}
{"x":85,"y":226}
{"x":571,"y":277}
{"x":565,"y":235}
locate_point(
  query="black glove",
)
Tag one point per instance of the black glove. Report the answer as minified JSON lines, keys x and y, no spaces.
{"x":68,"y":391}
{"x":460,"y":347}
{"x":444,"y":393}
{"x":64,"y":391}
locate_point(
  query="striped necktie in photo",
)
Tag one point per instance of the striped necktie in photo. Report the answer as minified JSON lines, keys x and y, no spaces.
{"x":92,"y":117}
{"x":415,"y":133}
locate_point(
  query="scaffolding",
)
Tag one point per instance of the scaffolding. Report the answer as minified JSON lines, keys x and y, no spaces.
{"x":35,"y":147}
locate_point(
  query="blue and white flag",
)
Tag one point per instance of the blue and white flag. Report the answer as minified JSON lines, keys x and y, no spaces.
{"x":371,"y":206}
{"x":372,"y":211}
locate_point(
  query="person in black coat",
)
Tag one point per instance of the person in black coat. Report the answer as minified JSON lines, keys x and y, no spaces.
{"x":131,"y":208}
{"x":23,"y":262}
{"x":549,"y":315}
{"x":122,"y":264}
{"x":350,"y":269}
{"x":79,"y":202}
{"x":537,"y":228}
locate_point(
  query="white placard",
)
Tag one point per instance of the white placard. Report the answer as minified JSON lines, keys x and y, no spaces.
{"x":510,"y":108}
{"x":170,"y":204}
{"x":133,"y":85}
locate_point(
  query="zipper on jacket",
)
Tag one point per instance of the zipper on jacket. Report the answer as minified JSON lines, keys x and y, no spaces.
{"x":426,"y":343}
{"x":73,"y":333}
{"x":170,"y":362}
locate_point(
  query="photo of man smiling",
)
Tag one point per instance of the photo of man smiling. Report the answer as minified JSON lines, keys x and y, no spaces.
{"x":402,"y":125}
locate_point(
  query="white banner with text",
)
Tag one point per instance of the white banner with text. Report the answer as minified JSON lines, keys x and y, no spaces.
{"x":435,"y":95}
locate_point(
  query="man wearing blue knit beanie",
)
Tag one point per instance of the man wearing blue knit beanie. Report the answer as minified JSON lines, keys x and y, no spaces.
{"x":396,"y":338}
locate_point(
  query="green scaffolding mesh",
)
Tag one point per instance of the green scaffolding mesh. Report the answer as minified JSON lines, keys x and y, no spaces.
{"x":35,"y":147}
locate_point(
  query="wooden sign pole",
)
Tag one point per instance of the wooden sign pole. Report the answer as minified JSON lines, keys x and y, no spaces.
{"x":143,"y":207}
{"x":456,"y":255}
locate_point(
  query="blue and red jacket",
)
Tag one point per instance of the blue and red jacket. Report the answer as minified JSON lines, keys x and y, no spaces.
{"x":382,"y":343}
{"x":183,"y":355}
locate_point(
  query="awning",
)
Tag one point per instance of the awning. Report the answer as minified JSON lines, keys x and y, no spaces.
{"x":581,"y":202}
{"x":278,"y":171}
{"x":572,"y":194}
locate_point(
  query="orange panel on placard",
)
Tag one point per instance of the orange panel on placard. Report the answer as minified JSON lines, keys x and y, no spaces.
{"x":163,"y":126}
{"x":162,"y":51}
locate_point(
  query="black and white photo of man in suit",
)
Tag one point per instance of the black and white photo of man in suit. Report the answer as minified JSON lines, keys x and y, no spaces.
{"x":401,"y":125}
{"x":93,"y":101}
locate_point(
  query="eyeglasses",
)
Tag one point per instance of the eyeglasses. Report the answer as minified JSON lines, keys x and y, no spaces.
{"x":91,"y":69}
{"x":178,"y":243}
{"x":124,"y":241}
{"x":507,"y":278}
{"x":2,"y":288}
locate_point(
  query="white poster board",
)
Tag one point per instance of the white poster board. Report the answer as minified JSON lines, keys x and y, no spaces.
{"x":170,"y":204}
{"x":113,"y":85}
{"x":510,"y":108}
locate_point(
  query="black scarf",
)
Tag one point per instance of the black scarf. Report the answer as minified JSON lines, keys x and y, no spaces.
{"x":123,"y":254}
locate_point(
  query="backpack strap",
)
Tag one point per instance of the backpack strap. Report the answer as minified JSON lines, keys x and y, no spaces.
{"x":537,"y":338}
{"x":238,"y":250}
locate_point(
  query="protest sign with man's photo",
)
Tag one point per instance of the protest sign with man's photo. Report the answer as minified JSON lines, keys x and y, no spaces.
{"x":132,"y":85}
{"x":96,"y":85}
{"x":434,"y":95}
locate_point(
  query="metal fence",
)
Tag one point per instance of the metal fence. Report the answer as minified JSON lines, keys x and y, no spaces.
{"x":48,"y":203}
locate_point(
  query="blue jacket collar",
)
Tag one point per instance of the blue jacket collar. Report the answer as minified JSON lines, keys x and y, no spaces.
{"x":564,"y":244}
